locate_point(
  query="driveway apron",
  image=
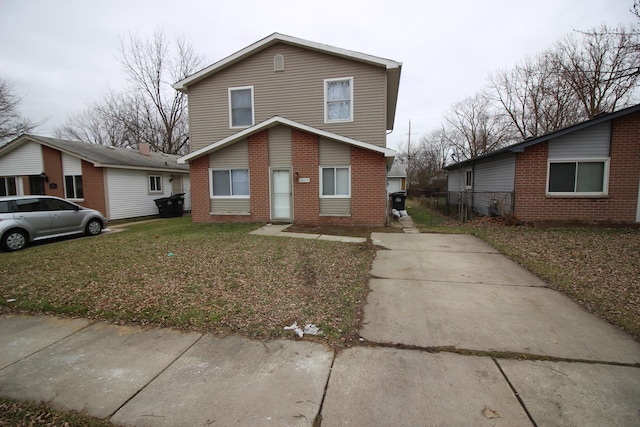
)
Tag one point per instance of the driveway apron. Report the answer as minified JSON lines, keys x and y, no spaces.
{"x":460,"y":335}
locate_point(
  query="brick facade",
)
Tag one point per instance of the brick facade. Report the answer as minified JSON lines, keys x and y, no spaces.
{"x":532,"y":204}
{"x":93,"y":187}
{"x":368,"y":185}
{"x":52,"y":163}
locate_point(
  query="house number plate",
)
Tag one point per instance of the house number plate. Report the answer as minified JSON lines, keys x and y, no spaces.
{"x":304,"y":180}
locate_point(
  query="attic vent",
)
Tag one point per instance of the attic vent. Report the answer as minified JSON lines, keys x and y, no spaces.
{"x":278,"y":63}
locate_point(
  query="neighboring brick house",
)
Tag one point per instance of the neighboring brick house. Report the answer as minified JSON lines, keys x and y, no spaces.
{"x":589,"y":172}
{"x":119,"y":182}
{"x":290,"y":130}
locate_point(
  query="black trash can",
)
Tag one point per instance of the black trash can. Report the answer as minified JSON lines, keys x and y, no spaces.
{"x":165,"y":208}
{"x":397,"y":201}
{"x":177,"y":203}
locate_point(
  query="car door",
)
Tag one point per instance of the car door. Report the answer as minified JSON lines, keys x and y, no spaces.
{"x":65,"y":216}
{"x":33,"y":215}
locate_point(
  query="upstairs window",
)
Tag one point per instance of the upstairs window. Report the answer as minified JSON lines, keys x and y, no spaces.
{"x":155,"y":184}
{"x":241,"y":107}
{"x":338,"y":96}
{"x":578,"y":178}
{"x":73,"y":186}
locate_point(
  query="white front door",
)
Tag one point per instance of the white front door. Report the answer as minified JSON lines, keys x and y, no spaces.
{"x":281,"y":194}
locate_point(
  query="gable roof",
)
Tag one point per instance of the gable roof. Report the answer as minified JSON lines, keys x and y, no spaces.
{"x":103,"y":156}
{"x":393,"y":68}
{"x":277,"y":120}
{"x":520,"y":147}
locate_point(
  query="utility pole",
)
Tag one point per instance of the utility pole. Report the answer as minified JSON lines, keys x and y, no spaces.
{"x":406,"y":187}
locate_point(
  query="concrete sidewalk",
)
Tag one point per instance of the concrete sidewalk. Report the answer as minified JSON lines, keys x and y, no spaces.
{"x":454,"y":334}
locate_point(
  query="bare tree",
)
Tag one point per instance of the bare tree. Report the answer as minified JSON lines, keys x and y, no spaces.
{"x":12,"y":123}
{"x":533,"y":97}
{"x":149,"y":110}
{"x":473,"y":128}
{"x":602,"y":68}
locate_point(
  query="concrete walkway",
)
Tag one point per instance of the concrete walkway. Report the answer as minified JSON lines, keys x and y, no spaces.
{"x":454,"y":334}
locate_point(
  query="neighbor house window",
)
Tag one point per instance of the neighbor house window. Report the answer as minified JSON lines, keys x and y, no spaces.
{"x":468,"y":179}
{"x":155,"y":184}
{"x":8,"y":186}
{"x":229,"y":183}
{"x":73,"y":186}
{"x":335,"y":182}
{"x":241,"y":107}
{"x":338,"y":100}
{"x":578,"y":178}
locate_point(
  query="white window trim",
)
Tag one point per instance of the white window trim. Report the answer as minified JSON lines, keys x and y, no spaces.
{"x":350,"y":119}
{"x":161,"y":190}
{"x":75,"y":190}
{"x":231,"y":196}
{"x":574,"y":194}
{"x":253,"y":110}
{"x":338,"y":196}
{"x":468,"y":186}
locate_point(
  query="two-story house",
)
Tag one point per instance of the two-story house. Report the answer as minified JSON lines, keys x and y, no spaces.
{"x":290,"y":130}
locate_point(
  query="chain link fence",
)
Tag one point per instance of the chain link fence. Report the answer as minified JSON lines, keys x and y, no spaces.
{"x":466,"y":205}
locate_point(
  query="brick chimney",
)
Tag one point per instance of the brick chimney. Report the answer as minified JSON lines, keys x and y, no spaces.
{"x":143,"y":148}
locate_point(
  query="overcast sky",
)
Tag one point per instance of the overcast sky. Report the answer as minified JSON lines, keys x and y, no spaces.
{"x":61,"y":53}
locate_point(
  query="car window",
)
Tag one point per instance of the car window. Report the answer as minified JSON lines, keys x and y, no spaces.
{"x":30,"y":205}
{"x":58,"y":205}
{"x":5,"y":207}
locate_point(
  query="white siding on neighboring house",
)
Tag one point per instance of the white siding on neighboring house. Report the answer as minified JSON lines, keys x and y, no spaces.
{"x":71,"y":165}
{"x":128,"y":193}
{"x":496,"y":174}
{"x":24,"y":160}
{"x":590,"y":142}
{"x":455,"y":180}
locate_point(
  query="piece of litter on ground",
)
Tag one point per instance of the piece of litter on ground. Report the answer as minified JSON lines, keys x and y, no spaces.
{"x":309,"y":329}
{"x":12,"y":300}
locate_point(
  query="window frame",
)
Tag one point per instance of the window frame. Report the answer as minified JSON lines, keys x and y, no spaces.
{"x":75,"y":195}
{"x":231,"y":195}
{"x":326,"y":100}
{"x":253,"y":110}
{"x":335,"y":175}
{"x":5,"y":182}
{"x":157,"y":179}
{"x":468,"y":178}
{"x":574,"y":193}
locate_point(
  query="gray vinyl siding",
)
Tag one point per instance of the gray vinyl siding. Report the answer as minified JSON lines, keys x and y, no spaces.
{"x":497,"y":174}
{"x":280,"y":151}
{"x":335,"y":207}
{"x":297,"y":93}
{"x":24,"y":160}
{"x":590,"y":142}
{"x":128,"y":193}
{"x":455,"y":180}
{"x":334,"y":153}
{"x":235,"y":156}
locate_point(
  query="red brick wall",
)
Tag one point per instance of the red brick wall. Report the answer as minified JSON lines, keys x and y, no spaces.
{"x":306,"y":158}
{"x":199,"y":173}
{"x":93,"y":188}
{"x":52,"y":160}
{"x":368,"y":185}
{"x":532,"y":205}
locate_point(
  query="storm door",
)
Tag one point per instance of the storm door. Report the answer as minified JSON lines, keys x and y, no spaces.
{"x":281,"y":194}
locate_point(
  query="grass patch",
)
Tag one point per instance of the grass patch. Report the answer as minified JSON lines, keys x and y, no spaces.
{"x":597,"y":267}
{"x":15,"y":413}
{"x":201,"y":277}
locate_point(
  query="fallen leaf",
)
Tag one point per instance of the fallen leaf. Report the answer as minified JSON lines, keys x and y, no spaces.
{"x":490,"y":413}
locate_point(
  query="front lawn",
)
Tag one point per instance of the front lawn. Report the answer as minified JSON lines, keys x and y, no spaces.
{"x":208,"y":278}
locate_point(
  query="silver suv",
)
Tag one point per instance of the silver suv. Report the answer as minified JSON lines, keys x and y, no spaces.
{"x":24,"y":219}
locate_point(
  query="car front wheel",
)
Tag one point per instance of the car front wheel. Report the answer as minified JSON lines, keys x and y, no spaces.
{"x":14,"y":240}
{"x":94,"y":227}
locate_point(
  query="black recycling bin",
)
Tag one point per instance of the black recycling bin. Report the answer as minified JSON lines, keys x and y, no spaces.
{"x":177,"y":203}
{"x":397,"y":201}
{"x":165,"y":207}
